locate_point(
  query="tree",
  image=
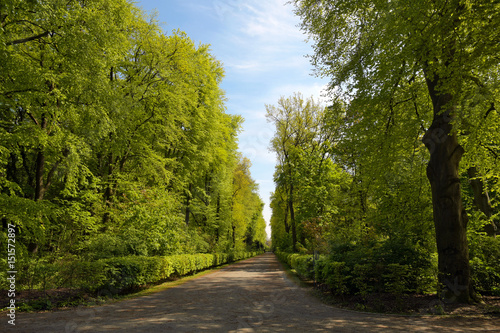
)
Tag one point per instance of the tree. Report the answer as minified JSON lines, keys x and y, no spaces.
{"x":293,"y":118}
{"x":377,"y":52}
{"x":247,"y":222}
{"x":114,"y":136}
{"x":305,"y":176}
{"x":48,"y":89}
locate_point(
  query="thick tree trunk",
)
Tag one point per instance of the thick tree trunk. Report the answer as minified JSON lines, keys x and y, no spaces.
{"x":450,"y":218}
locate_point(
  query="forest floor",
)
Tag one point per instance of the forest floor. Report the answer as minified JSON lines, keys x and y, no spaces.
{"x":253,"y":295}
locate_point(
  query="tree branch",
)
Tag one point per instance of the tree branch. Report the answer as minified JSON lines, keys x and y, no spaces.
{"x":28,"y":39}
{"x":26,"y":166}
{"x":492,"y":108}
{"x":32,"y":118}
{"x":53,"y":170}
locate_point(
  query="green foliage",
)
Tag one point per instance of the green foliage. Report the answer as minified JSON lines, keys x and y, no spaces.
{"x":303,"y":265}
{"x":485,"y":264}
{"x":333,"y":274}
{"x":352,"y":180}
{"x":307,"y":181}
{"x":117,"y":274}
{"x":403,"y":75}
{"x":373,"y":225}
{"x":247,"y":222}
{"x":115,"y":145}
{"x":360,"y":275}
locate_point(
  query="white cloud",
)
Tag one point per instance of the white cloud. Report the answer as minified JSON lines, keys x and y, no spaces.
{"x":245,"y":66}
{"x":270,"y":19}
{"x":317,"y":90}
{"x":263,"y":52}
{"x":254,"y":143}
{"x":259,"y":36}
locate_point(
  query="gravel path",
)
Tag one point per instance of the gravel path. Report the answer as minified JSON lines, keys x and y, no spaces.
{"x":253,"y":295}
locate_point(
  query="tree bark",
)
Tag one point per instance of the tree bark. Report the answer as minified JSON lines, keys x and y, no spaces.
{"x":234,"y":236}
{"x":287,"y":226}
{"x":39,"y":171}
{"x":108,"y":193}
{"x":450,"y":218}
{"x":188,"y":203}
{"x":482,"y":200}
{"x":217,"y":211}
{"x":40,"y":167}
{"x":292,"y":220}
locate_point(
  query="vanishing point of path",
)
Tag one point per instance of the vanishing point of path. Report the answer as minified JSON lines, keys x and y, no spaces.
{"x":253,"y":295}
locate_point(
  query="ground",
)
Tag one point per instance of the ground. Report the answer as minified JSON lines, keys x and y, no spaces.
{"x":253,"y":295}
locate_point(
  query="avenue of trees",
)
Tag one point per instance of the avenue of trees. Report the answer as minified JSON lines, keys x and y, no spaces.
{"x":114,"y":140}
{"x":402,"y":167}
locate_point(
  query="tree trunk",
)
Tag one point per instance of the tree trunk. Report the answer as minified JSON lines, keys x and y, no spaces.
{"x":188,"y":203}
{"x":234,"y":236}
{"x":450,"y":218}
{"x":482,"y":200}
{"x":292,"y":220}
{"x":217,"y":211}
{"x":108,"y":193}
{"x":40,"y":167}
{"x":287,"y":226}
{"x":39,"y":171}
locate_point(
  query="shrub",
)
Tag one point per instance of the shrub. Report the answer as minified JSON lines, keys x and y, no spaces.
{"x":120,"y":274}
{"x":334,"y":274}
{"x":363,"y":274}
{"x":397,"y":278}
{"x":304,"y":265}
{"x":366,"y":279}
{"x":485,"y":265}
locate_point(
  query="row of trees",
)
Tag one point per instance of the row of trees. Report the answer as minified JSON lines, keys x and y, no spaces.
{"x":114,"y":138}
{"x":414,"y":89}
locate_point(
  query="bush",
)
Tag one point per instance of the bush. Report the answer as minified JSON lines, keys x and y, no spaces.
{"x":362,"y":270}
{"x":485,"y":265}
{"x":120,"y":274}
{"x":334,"y":274}
{"x":366,"y":278}
{"x":397,"y":278}
{"x":303,"y":265}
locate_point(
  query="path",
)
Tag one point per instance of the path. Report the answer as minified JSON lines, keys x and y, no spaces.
{"x":253,"y":295}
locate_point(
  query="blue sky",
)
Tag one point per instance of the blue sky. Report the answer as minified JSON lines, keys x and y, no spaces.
{"x":263,"y":53}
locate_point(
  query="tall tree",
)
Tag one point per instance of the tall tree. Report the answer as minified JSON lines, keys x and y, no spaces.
{"x":372,"y":50}
{"x":48,"y":88}
{"x":299,"y":144}
{"x":110,"y":131}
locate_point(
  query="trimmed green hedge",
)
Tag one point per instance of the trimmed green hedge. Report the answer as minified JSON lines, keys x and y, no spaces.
{"x":357,"y":278}
{"x":119,"y":274}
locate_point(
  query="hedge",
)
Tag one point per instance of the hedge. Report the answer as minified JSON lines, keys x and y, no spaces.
{"x":356,"y":278}
{"x":119,"y":274}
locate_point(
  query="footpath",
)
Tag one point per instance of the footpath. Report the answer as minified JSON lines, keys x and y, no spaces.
{"x":252,"y":295}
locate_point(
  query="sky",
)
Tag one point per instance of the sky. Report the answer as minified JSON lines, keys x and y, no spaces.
{"x":263,"y":52}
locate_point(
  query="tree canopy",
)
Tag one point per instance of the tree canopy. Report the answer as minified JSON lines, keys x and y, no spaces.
{"x":404,"y":75}
{"x":114,"y":137}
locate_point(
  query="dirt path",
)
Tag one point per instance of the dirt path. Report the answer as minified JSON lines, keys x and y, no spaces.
{"x":253,"y":295}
